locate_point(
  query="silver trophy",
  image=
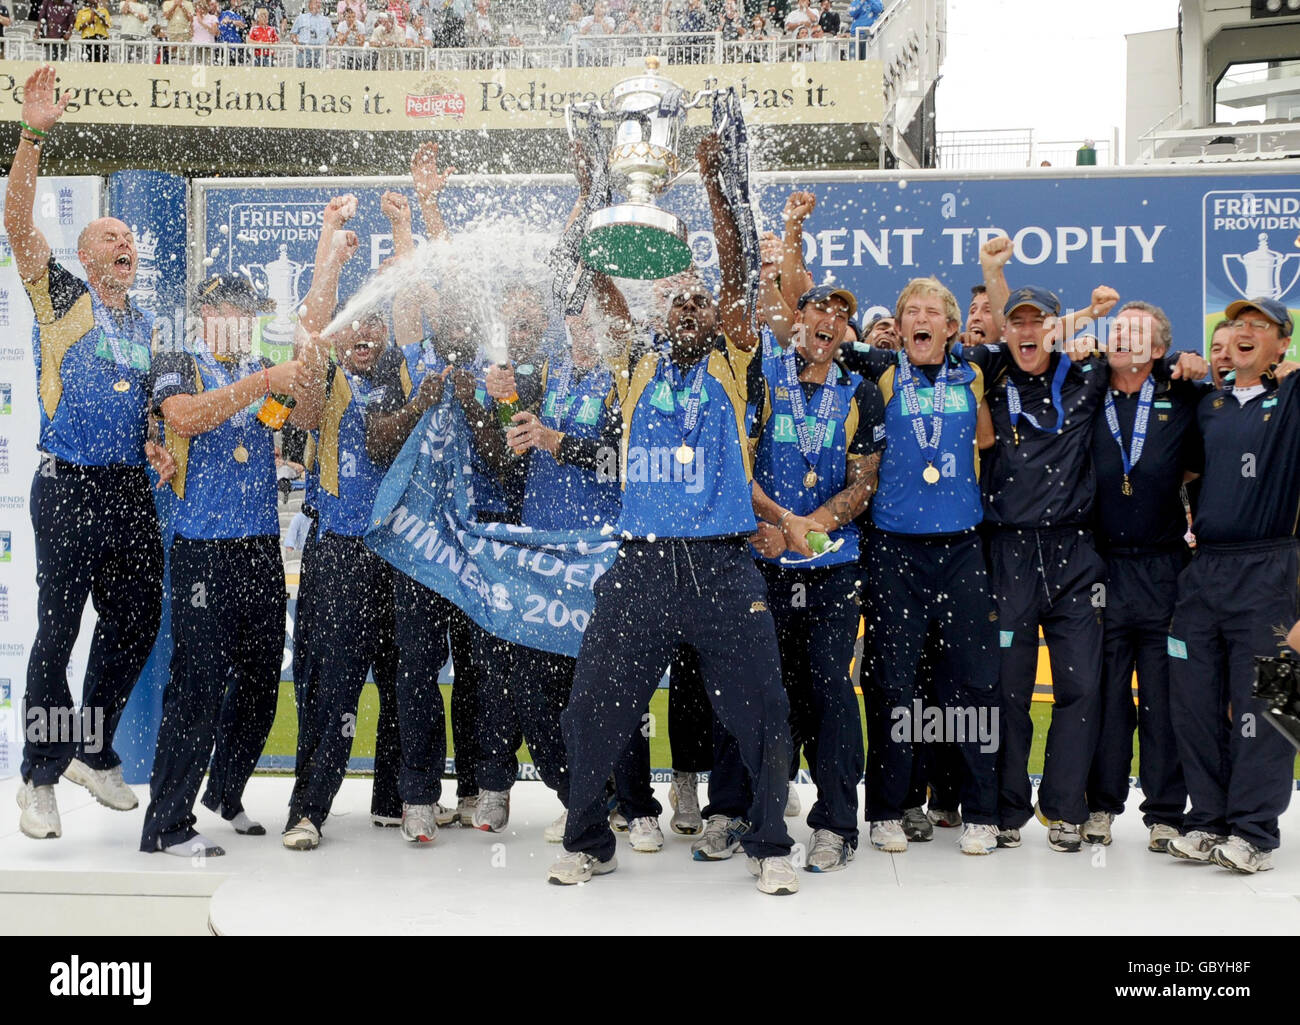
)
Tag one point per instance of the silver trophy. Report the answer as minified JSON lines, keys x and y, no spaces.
{"x":279,"y":280}
{"x":636,"y":239}
{"x":1264,"y":271}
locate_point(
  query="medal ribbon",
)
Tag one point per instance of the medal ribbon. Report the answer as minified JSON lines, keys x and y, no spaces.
{"x":912,"y":406}
{"x":111,"y":333}
{"x":1140,"y":422}
{"x":809,"y":444}
{"x":246,"y":367}
{"x":1013,"y":400}
{"x":691,"y":423}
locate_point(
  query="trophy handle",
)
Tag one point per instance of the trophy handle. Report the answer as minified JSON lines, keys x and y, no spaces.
{"x":1227,"y":270}
{"x":1294,"y":277}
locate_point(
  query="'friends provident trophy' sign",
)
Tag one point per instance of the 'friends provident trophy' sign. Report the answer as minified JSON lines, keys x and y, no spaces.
{"x":636,"y":239}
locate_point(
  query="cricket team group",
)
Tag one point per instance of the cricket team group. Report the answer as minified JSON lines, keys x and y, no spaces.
{"x":786,"y":475}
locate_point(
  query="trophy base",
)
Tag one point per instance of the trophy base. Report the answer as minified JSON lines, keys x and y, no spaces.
{"x":636,"y":240}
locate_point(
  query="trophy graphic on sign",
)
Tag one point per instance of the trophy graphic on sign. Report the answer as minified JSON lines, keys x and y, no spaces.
{"x":1264,"y":269}
{"x":636,"y":239}
{"x":279,"y":281}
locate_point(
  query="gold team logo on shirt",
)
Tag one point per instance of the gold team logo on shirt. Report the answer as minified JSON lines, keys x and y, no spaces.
{"x":758,"y":606}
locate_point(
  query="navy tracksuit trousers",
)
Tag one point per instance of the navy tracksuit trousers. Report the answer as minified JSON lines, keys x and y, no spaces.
{"x":531,"y":700}
{"x":228,"y":610}
{"x":97,"y":537}
{"x":1049,"y":578}
{"x":658,"y":595}
{"x":910,"y":584}
{"x":352,"y":633}
{"x":1231,"y":600}
{"x":1141,"y":589}
{"x":936,"y":768}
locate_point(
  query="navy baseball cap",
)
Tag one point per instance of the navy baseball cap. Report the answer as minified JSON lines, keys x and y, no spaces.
{"x":1032,"y":295}
{"x":1271,"y":308}
{"x":234,"y":289}
{"x":821,"y":293}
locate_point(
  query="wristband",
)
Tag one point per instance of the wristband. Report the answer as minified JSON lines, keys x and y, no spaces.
{"x":266,"y":374}
{"x":781,"y":521}
{"x":31,"y":141}
{"x":35,"y":131}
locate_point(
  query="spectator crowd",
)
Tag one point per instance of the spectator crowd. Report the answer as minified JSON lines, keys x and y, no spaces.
{"x":242,"y":30}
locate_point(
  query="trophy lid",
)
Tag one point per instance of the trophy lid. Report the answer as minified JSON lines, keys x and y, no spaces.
{"x":644,"y":90}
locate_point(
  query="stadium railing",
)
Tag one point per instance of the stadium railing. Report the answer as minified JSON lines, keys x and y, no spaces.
{"x":609,"y":51}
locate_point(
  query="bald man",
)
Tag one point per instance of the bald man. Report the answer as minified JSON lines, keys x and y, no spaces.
{"x":92,"y":513}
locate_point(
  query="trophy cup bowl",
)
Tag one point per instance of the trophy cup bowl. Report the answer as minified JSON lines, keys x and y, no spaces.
{"x":636,"y":239}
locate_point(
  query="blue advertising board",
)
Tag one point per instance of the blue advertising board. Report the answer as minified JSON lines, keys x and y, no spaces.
{"x":1190,"y":243}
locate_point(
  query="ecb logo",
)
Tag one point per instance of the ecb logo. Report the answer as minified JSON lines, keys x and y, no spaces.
{"x":1251,"y":249}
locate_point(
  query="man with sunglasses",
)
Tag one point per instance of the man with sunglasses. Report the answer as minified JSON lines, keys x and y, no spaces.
{"x":1240,"y":588}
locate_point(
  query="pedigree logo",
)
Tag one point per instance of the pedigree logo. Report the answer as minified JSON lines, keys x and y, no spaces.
{"x":435,"y":105}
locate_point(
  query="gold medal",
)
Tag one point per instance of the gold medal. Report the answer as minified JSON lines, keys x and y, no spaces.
{"x":810,"y":479}
{"x":241,"y":454}
{"x":686,"y":455}
{"x":930,"y":474}
{"x":1126,"y":487}
{"x":122,"y":386}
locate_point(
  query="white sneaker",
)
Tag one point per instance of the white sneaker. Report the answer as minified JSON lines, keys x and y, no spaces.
{"x":1241,"y":856}
{"x":575,"y":867}
{"x":444,"y":816}
{"x":197,"y":846}
{"x":554,"y":833}
{"x":792,"y":805}
{"x":719,"y":841}
{"x":385,"y":821}
{"x":40,"y":817}
{"x":465,"y":808}
{"x":828,"y":852}
{"x":493,"y":811}
{"x":1008,"y":838}
{"x":617,"y":822}
{"x":1061,"y":836}
{"x":645,"y":835}
{"x":1195,"y":846}
{"x":978,"y":838}
{"x":1158,"y":840}
{"x":943,"y":818}
{"x":419,"y":823}
{"x":302,"y":837}
{"x":775,"y":875}
{"x":684,"y":797}
{"x":105,"y":785}
{"x":889,"y":836}
{"x":1097,"y":828}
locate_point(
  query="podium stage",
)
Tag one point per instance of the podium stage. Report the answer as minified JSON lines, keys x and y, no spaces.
{"x":364,"y":880}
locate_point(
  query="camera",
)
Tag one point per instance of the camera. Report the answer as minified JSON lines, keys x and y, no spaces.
{"x":1277,"y":684}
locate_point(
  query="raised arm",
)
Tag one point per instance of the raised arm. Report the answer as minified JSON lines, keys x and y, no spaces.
{"x":40,"y":112}
{"x":795,"y":279}
{"x":331,"y":254}
{"x":994,"y":255}
{"x":773,"y":308}
{"x":429,"y":183}
{"x":732,"y":310}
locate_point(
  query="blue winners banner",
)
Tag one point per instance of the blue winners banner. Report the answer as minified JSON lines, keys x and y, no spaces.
{"x":532,"y":587}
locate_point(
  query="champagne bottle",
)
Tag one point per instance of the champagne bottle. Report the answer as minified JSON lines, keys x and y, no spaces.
{"x":506,"y":409}
{"x":275,"y":410}
{"x":821,"y":543}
